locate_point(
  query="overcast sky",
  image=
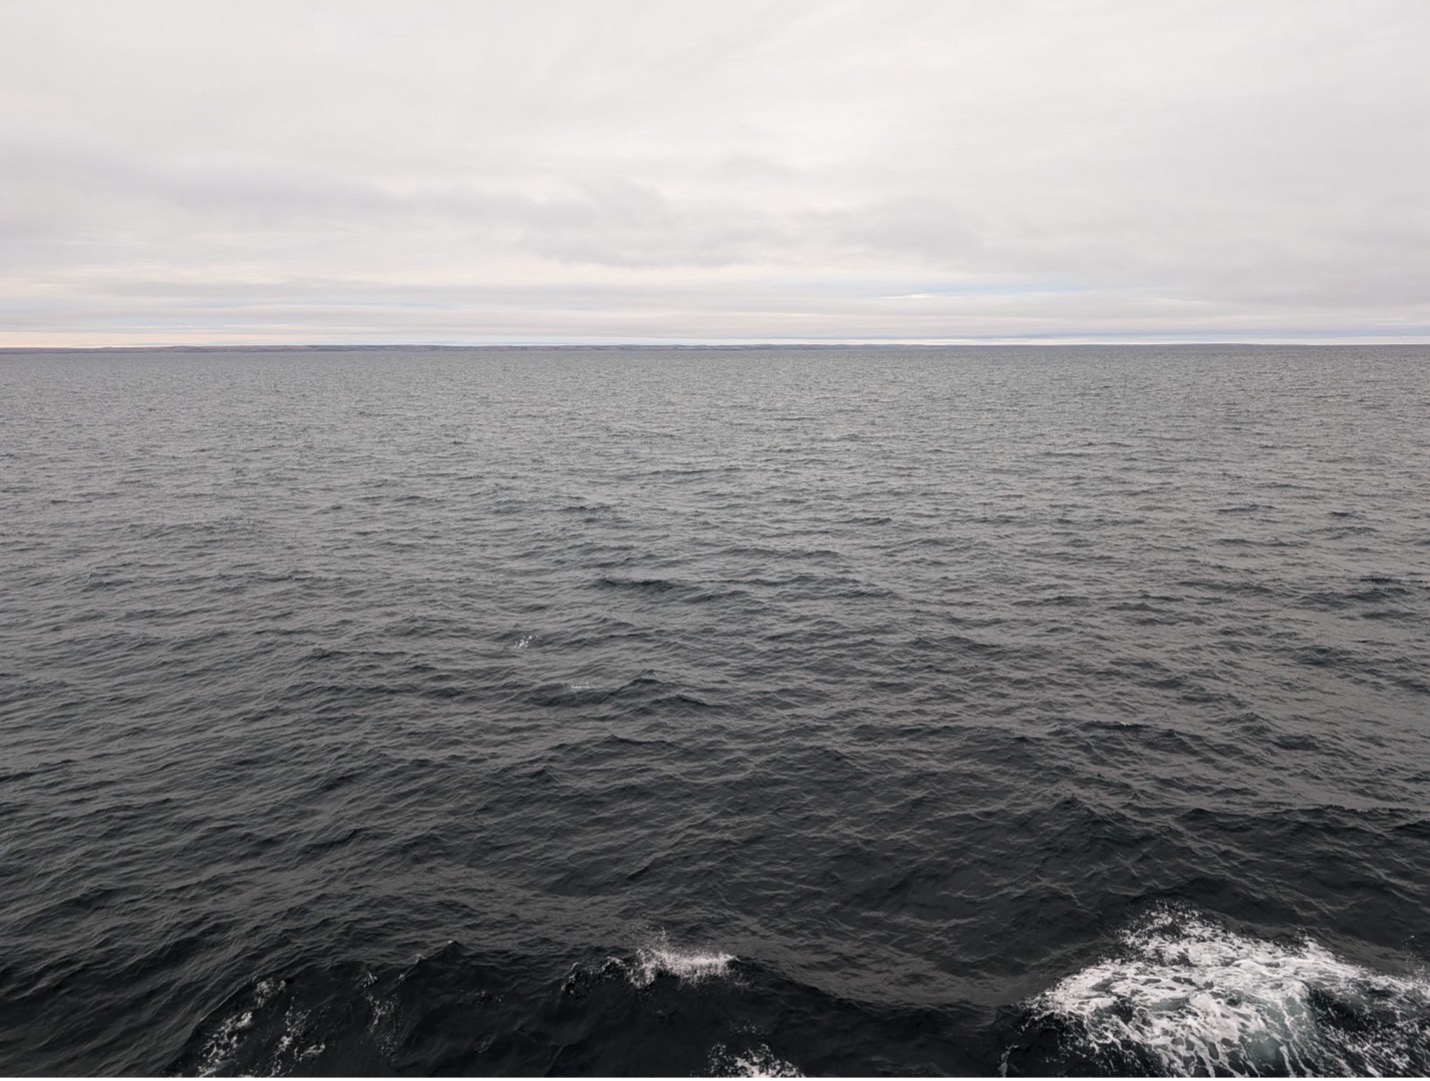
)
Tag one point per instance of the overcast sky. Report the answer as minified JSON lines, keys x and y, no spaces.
{"x":593,"y":171}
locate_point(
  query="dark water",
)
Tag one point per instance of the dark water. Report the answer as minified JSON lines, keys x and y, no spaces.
{"x":716,"y":711}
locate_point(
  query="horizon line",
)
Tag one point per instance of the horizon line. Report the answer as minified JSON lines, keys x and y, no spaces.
{"x":686,"y":344}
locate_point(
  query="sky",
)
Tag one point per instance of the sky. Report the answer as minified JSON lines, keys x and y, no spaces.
{"x":602,"y":171}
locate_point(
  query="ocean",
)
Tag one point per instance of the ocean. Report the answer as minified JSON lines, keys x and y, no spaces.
{"x":729,"y":711}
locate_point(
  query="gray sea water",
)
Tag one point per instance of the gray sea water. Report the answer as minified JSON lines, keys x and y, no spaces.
{"x":716,"y":711}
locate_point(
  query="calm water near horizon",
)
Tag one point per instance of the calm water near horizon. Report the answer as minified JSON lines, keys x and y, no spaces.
{"x":856,"y":711}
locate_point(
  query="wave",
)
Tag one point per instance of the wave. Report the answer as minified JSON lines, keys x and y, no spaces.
{"x":1180,"y":994}
{"x":1185,"y":995}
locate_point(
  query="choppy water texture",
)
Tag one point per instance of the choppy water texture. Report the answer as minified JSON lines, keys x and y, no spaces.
{"x":854,"y":711}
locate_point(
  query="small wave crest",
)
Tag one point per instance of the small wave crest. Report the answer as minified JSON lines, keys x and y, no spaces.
{"x":1187,"y":996}
{"x":688,"y":966}
{"x":683,"y":965}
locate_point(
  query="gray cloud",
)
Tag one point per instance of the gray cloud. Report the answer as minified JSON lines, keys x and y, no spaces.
{"x":575,"y":171}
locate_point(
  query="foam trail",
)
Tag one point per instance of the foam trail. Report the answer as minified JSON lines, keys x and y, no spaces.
{"x":1187,"y":996}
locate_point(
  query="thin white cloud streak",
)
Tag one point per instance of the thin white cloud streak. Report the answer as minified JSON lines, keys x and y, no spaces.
{"x":584,"y":171}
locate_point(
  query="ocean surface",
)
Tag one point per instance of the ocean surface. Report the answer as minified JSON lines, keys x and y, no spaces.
{"x":849,"y":711}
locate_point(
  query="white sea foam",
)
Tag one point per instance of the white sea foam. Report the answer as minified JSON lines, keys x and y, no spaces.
{"x":223,"y":1043}
{"x":221,"y":1051}
{"x":1196,"y":997}
{"x":686,"y":965}
{"x":298,"y":1042}
{"x":756,"y":1062}
{"x":265,"y":989}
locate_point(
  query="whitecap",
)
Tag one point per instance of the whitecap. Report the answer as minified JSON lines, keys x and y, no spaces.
{"x":1190,"y":996}
{"x":686,"y":965}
